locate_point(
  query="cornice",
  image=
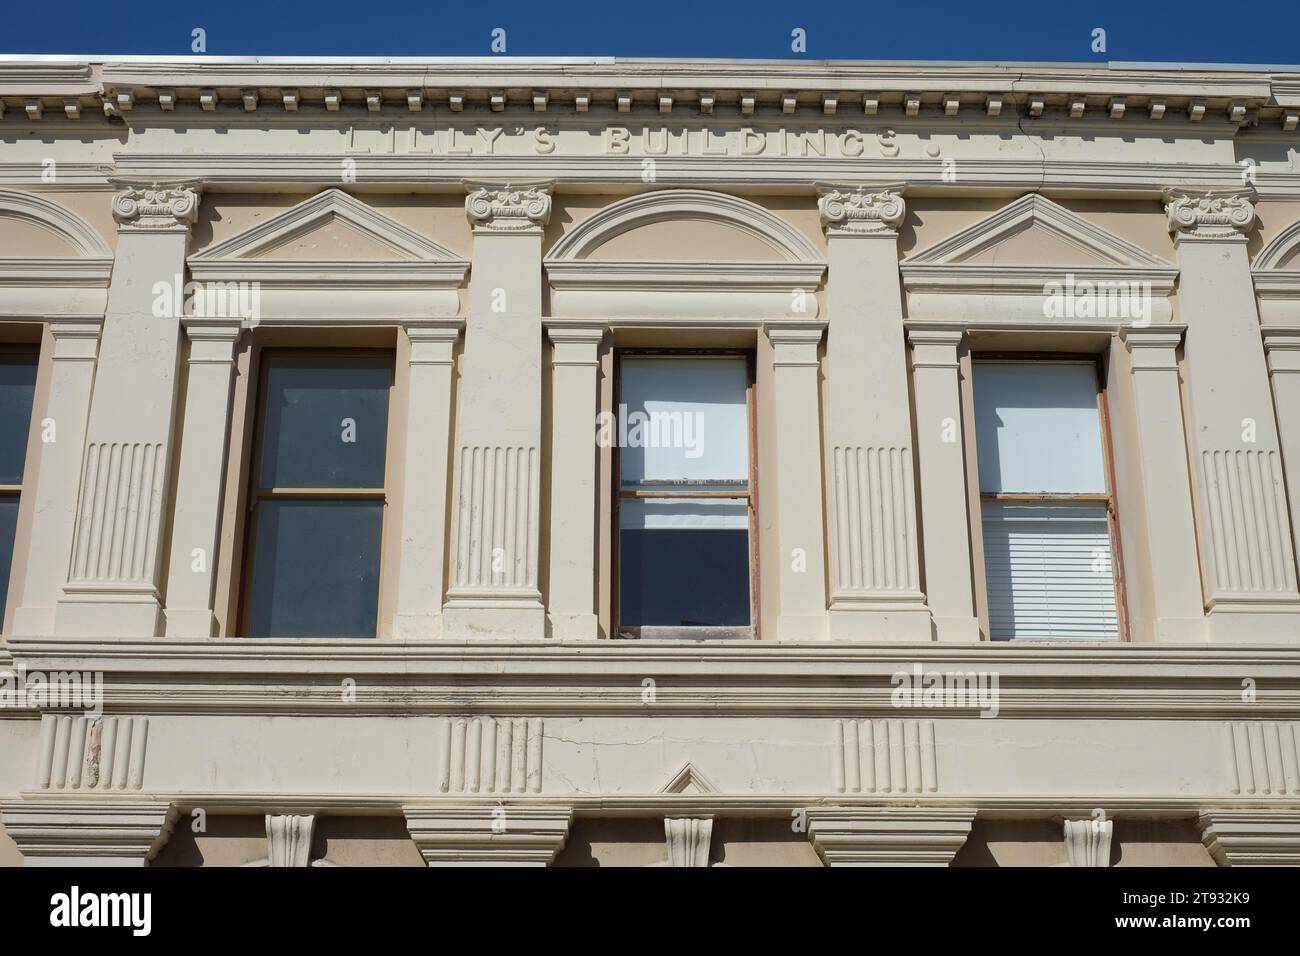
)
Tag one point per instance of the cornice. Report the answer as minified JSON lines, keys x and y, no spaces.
{"x":229,"y":676}
{"x":579,"y":84}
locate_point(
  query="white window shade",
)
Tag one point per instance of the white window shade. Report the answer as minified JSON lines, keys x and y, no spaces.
{"x":685,"y":420}
{"x":1038,"y":428}
{"x":1049,"y":571}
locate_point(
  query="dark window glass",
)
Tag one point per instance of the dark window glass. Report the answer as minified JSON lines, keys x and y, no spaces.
{"x":315,"y":554}
{"x":326,"y":425}
{"x":316,"y":570}
{"x":17,"y":392}
{"x":17,"y":389}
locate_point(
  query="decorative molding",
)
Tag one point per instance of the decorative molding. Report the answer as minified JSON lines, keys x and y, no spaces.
{"x":1248,"y":543}
{"x":92,"y":753}
{"x":84,"y":833}
{"x":689,"y":780}
{"x":502,"y":835}
{"x":1276,"y":272}
{"x":863,"y":210}
{"x":941,"y":282}
{"x":874,"y":836}
{"x":156,"y":208}
{"x":506,"y":207}
{"x":85,"y":240}
{"x":288,"y":839}
{"x":1248,"y":837}
{"x":490,"y":755}
{"x":119,"y":518}
{"x":875,"y":511}
{"x":496,"y":521}
{"x":885,"y":756}
{"x":1214,"y":214}
{"x":688,"y":840}
{"x":608,"y":288}
{"x":418,"y":278}
{"x":1263,"y":757}
{"x":1087,"y":842}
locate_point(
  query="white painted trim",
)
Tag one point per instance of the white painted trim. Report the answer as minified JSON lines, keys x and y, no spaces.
{"x":36,"y":208}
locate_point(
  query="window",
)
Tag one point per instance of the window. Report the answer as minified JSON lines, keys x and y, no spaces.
{"x":685,"y":495}
{"x":318,"y":494}
{"x":17,"y":391}
{"x":1046,"y":504}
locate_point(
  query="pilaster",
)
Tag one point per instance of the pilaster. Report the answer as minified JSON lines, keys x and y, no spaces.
{"x":1246,"y":544}
{"x":422,"y":570}
{"x":575,"y":356}
{"x":494,"y":591}
{"x":945,"y":524}
{"x":801,"y":567}
{"x":1174,"y":572}
{"x":1282,"y":348}
{"x":113,"y":579}
{"x":875,"y":580}
{"x":876,"y":836}
{"x":72,"y":376}
{"x":200,"y":477}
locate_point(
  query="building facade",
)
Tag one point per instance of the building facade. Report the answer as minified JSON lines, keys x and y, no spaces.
{"x":598,"y":462}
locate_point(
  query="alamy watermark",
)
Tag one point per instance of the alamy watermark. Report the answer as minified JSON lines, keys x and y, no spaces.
{"x":919,"y":688}
{"x":651,"y":430}
{"x":207,"y":300}
{"x":38,"y":690}
{"x":1101,"y":299}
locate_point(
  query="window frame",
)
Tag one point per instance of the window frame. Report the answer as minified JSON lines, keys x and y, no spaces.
{"x":266,"y":357}
{"x":751,"y":495}
{"x":1097,"y":361}
{"x":35,"y":352}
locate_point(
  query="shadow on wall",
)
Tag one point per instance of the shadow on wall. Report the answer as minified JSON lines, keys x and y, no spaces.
{"x":1042,"y":843}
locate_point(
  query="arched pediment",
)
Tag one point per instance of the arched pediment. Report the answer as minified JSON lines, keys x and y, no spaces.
{"x":1277,"y":278}
{"x":327,"y":256}
{"x":37,"y":212}
{"x":622,"y":262}
{"x":65,"y":264}
{"x":745,"y":218}
{"x":1034,"y":261}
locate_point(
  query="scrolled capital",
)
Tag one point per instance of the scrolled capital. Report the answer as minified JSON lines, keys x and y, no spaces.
{"x":1210,"y":213}
{"x":861,"y":210}
{"x":508,"y":207}
{"x":156,"y":207}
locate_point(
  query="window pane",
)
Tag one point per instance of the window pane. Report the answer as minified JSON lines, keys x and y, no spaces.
{"x":684,"y":419}
{"x":684,"y":563}
{"x":17,"y":389}
{"x":1037,"y":428}
{"x":316,"y":568}
{"x":326,"y":424}
{"x":1049,"y":571}
{"x":8,"y":525}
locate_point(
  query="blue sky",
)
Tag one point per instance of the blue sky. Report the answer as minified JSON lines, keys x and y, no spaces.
{"x":1193,"y":31}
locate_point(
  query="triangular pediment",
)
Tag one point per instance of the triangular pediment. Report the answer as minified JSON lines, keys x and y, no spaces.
{"x":689,"y":780}
{"x":329,"y":227}
{"x":1034,"y":231}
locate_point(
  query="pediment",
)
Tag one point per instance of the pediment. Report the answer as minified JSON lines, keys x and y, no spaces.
{"x":689,"y":780}
{"x":329,"y":227}
{"x":1034,"y":231}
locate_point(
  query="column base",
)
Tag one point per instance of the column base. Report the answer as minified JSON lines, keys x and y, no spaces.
{"x":190,"y":623}
{"x":956,"y":629}
{"x":1181,"y":630}
{"x":1249,"y":837}
{"x":872,"y":621}
{"x":493,"y":619}
{"x":489,"y":835}
{"x":109,"y":615}
{"x":876,"y":836}
{"x":82,"y":833}
{"x":571,"y":627}
{"x":33,"y":621}
{"x":417,"y":627}
{"x":1254,"y":622}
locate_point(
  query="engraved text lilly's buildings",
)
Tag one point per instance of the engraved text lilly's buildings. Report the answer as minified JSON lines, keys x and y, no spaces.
{"x":648,"y":462}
